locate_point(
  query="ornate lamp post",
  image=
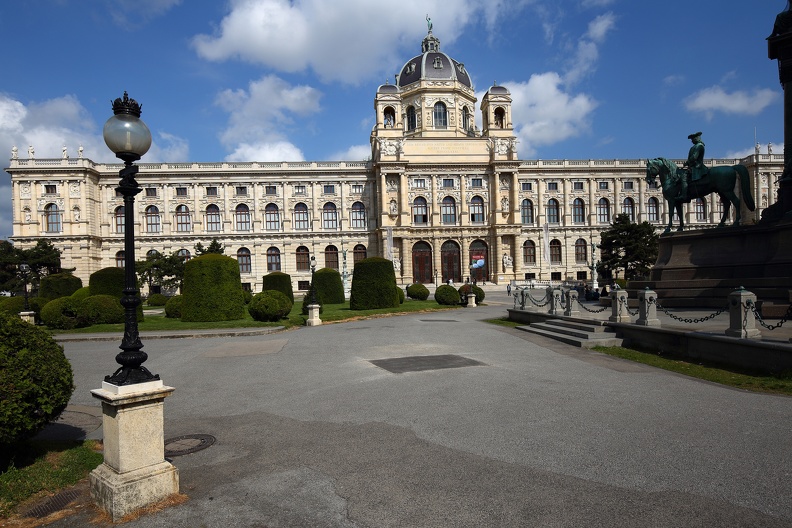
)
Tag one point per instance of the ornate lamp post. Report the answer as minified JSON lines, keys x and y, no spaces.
{"x":24,"y":269}
{"x":129,"y":138}
{"x":313,"y":290}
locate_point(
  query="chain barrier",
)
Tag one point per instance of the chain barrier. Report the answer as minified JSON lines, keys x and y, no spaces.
{"x":752,"y":306}
{"x":590,"y":310}
{"x":537,"y":303}
{"x":687,"y":319}
{"x":623,"y":302}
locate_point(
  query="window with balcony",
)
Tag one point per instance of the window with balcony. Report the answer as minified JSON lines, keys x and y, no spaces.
{"x":358,"y":215}
{"x":420,"y":211}
{"x":183,"y":220}
{"x":301,"y":216}
{"x":242,"y":217}
{"x":213,"y":222}
{"x":153,"y":224}
{"x":271,"y":217}
{"x":578,"y":211}
{"x":526,"y":212}
{"x":448,"y":211}
{"x":477,"y":210}
{"x":329,"y":216}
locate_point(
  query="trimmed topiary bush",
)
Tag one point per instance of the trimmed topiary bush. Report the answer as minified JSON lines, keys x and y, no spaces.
{"x":374,"y":285}
{"x":212,"y":289}
{"x":99,"y":309}
{"x":329,"y":286}
{"x":400,"y":292}
{"x":12,"y":305}
{"x":59,"y":285}
{"x":157,"y":299}
{"x":270,"y":305}
{"x":467,"y":288}
{"x":247,"y":296}
{"x":61,"y":314}
{"x":36,"y":380}
{"x":306,"y":302}
{"x":173,"y":307}
{"x":281,"y":282}
{"x":446,"y":295}
{"x":82,"y":293}
{"x":418,"y":292}
{"x":110,"y":281}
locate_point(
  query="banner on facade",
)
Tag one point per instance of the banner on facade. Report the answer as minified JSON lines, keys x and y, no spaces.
{"x":547,"y":243}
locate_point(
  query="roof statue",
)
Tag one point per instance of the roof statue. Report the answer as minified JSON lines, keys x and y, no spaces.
{"x":783,"y":21}
{"x":429,"y":23}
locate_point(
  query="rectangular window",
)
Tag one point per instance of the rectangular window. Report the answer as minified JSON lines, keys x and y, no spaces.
{"x":577,"y":186}
{"x":181,"y":191}
{"x":303,"y":285}
{"x":420,"y":183}
{"x":50,"y":189}
{"x":151,"y":192}
{"x":241,"y":190}
{"x":582,"y":275}
{"x":526,"y":186}
{"x":476,"y":182}
{"x":357,"y":188}
{"x":556,"y":276}
{"x":299,"y":189}
{"x":246,"y":287}
{"x":270,"y":190}
{"x":328,"y":189}
{"x":448,"y":183}
{"x":552,"y":186}
{"x":628,"y":186}
{"x":211,"y":191}
{"x":603,"y":185}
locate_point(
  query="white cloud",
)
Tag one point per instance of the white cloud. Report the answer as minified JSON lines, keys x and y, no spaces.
{"x":545,"y":114}
{"x":274,"y":151}
{"x":584,"y":60}
{"x":343,"y":40}
{"x":353,"y":153}
{"x":673,"y":80}
{"x":131,"y":14}
{"x":778,"y":148}
{"x":596,"y":3}
{"x":716,"y":99}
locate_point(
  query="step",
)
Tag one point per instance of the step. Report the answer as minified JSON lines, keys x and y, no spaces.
{"x":597,"y":327}
{"x":590,"y":341}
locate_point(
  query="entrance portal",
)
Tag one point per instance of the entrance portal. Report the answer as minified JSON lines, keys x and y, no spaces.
{"x":422,"y":263}
{"x":450,"y":261}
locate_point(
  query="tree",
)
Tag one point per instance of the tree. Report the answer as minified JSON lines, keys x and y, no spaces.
{"x":628,"y":246}
{"x":163,"y":270}
{"x":214,"y":247}
{"x":43,"y":259}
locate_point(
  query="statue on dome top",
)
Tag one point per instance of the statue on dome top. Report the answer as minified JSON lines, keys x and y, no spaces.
{"x":428,"y":23}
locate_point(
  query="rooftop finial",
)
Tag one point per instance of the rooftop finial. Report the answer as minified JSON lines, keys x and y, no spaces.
{"x":126,"y":106}
{"x":428,"y":23}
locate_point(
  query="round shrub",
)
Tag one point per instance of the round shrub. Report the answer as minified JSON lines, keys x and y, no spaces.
{"x":270,"y":305}
{"x":278,"y":281}
{"x":36,"y":379}
{"x":82,"y":293}
{"x":212,"y":289}
{"x":59,"y":285}
{"x":467,"y":288}
{"x":13,"y":305}
{"x":373,"y":285}
{"x":173,"y":307}
{"x":157,"y":299}
{"x":99,"y":309}
{"x":308,"y":301}
{"x":329,"y":286}
{"x":61,"y":314}
{"x":110,"y":281}
{"x":447,"y":295}
{"x":418,"y":292}
{"x":247,"y":296}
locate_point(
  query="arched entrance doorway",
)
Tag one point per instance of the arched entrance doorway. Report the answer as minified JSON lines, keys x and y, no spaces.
{"x":479,"y":261}
{"x":422,"y":263}
{"x":450,"y":261}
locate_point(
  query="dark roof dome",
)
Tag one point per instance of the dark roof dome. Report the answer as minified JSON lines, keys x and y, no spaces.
{"x":433,"y":65}
{"x":501,"y":90}
{"x":388,"y":88}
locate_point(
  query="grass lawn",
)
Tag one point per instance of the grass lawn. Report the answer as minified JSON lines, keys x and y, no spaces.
{"x":717,"y":374}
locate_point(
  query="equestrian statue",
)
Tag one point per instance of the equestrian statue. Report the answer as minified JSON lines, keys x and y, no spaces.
{"x":696,"y":180}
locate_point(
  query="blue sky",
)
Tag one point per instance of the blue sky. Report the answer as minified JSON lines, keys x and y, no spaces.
{"x":264,"y":80}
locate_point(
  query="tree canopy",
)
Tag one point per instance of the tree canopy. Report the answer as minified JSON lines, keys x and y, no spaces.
{"x":43,"y":259}
{"x":214,"y":247}
{"x":629,"y":247}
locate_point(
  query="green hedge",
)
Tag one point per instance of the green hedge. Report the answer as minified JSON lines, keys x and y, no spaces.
{"x":247,"y":296}
{"x":61,"y":314}
{"x":99,"y":309}
{"x":14,"y":305}
{"x":446,"y":295}
{"x":212,"y":289}
{"x":374,"y":285}
{"x":173,"y":307}
{"x":278,"y":281}
{"x":110,"y":281}
{"x":329,"y":286}
{"x":82,"y":293}
{"x":157,"y":299}
{"x":36,"y":379}
{"x":418,"y":292}
{"x":307,"y":301}
{"x":270,"y":305}
{"x":400,"y":292}
{"x":59,"y":285}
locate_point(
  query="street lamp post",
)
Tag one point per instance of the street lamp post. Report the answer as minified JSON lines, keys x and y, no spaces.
{"x":313,"y":289}
{"x":129,"y":138}
{"x":24,"y":268}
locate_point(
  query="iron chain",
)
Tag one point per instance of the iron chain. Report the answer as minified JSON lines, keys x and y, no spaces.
{"x":752,"y":306}
{"x":687,"y":319}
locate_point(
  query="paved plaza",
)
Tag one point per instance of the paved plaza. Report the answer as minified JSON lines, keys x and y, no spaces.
{"x":309,"y":432}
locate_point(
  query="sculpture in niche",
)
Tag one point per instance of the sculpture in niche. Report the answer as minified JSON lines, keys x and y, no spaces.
{"x":76,"y":214}
{"x":64,"y":153}
{"x":14,"y":152}
{"x":394,"y":207}
{"x":397,"y":265}
{"x":507,"y":261}
{"x":27,"y":215}
{"x":31,"y":152}
{"x":504,"y":204}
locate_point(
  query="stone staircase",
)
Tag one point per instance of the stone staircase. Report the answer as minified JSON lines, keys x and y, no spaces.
{"x":585,"y":334}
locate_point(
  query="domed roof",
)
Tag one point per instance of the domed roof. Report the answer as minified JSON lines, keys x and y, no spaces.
{"x":433,"y":65}
{"x":388,"y":88}
{"x":500,"y":90}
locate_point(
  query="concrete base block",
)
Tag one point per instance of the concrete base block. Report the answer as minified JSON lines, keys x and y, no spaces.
{"x":120,"y":494}
{"x":313,"y":315}
{"x":471,"y":300}
{"x":749,"y":333}
{"x":28,"y":317}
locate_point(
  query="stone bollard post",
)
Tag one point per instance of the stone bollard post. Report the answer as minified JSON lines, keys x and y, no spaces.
{"x":471,"y":300}
{"x":571,"y":309}
{"x":619,"y":313}
{"x":555,"y":301}
{"x":742,"y":322}
{"x":313,"y":315}
{"x":647,"y":306}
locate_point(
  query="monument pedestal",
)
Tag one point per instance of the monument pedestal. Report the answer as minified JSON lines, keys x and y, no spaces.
{"x":313,"y":315}
{"x":28,"y":317}
{"x":134,"y":473}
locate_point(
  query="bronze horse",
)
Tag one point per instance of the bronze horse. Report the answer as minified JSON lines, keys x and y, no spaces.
{"x":721,"y":180}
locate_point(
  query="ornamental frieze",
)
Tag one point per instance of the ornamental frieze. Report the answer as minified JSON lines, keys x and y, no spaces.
{"x":24,"y":190}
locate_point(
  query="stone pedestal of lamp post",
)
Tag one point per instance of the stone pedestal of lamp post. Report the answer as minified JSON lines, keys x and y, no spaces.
{"x":134,"y":473}
{"x":313,"y":315}
{"x":471,"y":300}
{"x":28,"y":317}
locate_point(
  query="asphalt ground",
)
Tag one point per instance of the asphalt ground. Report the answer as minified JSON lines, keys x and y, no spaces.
{"x":311,"y":433}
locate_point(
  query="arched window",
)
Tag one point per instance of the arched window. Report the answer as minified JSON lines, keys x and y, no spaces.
{"x":653,"y":209}
{"x":553,"y":211}
{"x":412,"y":122}
{"x":52,"y":218}
{"x":303,"y":259}
{"x":700,"y":206}
{"x":527,"y":212}
{"x":272,"y":217}
{"x":628,"y":208}
{"x":529,"y":252}
{"x":358,"y":215}
{"x":118,"y":216}
{"x":242,"y":217}
{"x":603,"y":211}
{"x":500,"y":117}
{"x":273,"y":259}
{"x":579,"y":211}
{"x":300,"y":216}
{"x":440,"y":115}
{"x":448,"y":211}
{"x":467,"y":122}
{"x":581,"y":251}
{"x":359,"y":253}
{"x":420,"y":211}
{"x":477,"y":210}
{"x":183,"y":221}
{"x":555,"y":251}
{"x":152,"y":254}
{"x":331,"y":257}
{"x":213,"y":218}
{"x":120,"y":259}
{"x":153,"y":224}
{"x":243,"y":258}
{"x":183,"y":254}
{"x":329,"y":216}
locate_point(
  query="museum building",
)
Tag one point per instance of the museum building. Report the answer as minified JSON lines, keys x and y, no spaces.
{"x":440,"y":197}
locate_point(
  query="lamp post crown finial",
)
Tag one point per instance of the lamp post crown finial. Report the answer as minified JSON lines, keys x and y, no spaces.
{"x":127,"y":106}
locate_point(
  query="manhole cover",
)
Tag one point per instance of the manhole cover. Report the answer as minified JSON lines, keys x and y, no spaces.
{"x":186,"y":444}
{"x":419,"y":363}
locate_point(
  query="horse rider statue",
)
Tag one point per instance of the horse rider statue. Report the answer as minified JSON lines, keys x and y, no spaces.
{"x":694,"y":165}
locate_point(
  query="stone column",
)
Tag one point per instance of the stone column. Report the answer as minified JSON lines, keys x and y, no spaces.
{"x":554,"y":294}
{"x":619,"y":313}
{"x":647,"y":315}
{"x":572,"y":303}
{"x":742,"y":322}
